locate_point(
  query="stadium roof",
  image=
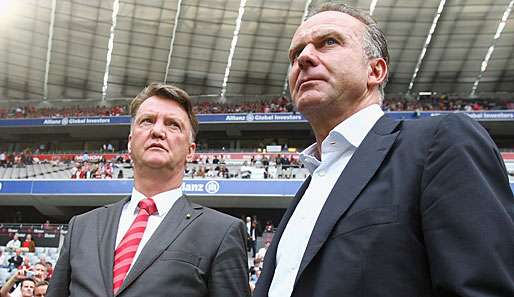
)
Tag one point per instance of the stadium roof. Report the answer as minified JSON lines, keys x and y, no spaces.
{"x":80,"y":49}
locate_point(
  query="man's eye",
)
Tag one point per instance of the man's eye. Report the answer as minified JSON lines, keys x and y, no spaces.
{"x":173,"y":125}
{"x":145,"y":122}
{"x":330,"y":41}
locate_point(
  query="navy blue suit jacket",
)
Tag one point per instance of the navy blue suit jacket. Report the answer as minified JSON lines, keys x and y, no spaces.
{"x":423,"y":208}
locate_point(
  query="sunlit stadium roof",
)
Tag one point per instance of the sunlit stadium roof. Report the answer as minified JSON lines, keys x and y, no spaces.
{"x":61,"y":48}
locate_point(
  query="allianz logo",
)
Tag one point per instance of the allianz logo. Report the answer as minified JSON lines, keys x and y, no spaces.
{"x":210,"y":187}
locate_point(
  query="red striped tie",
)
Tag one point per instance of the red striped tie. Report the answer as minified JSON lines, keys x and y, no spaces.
{"x":127,"y":248}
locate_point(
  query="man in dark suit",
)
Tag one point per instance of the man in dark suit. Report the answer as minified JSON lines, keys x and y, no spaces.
{"x":415,"y":208}
{"x":155,"y":242}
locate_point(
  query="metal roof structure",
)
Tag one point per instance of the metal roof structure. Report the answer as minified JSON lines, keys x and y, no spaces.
{"x":78,"y":49}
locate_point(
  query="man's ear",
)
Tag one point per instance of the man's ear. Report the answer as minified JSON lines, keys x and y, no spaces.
{"x":191,"y":153}
{"x":377,"y":71}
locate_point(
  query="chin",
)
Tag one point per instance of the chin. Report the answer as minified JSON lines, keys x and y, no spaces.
{"x":309,"y":104}
{"x":154,"y":162}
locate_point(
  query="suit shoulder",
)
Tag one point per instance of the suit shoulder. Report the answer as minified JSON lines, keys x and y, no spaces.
{"x":450,"y":123}
{"x":217,"y":217}
{"x":94,"y":212}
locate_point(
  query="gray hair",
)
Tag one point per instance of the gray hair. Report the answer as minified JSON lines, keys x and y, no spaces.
{"x":168,"y":92}
{"x":374,"y":41}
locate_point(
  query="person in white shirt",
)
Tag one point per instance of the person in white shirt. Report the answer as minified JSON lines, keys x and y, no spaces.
{"x":26,"y":287}
{"x":13,"y":244}
{"x":156,"y":241}
{"x":391,"y":208}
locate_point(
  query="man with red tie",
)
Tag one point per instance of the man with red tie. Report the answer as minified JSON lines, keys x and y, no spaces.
{"x":155,"y":241}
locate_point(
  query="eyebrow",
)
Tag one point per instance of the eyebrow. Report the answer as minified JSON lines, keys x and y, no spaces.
{"x":316,"y":35}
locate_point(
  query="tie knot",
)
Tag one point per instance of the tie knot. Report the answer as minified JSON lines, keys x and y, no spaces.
{"x":148,"y":205}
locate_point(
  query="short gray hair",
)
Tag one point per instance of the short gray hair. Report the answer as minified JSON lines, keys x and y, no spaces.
{"x":375,"y":43}
{"x":168,"y":92}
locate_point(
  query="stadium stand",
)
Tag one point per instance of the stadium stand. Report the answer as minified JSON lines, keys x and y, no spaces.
{"x":278,"y":105}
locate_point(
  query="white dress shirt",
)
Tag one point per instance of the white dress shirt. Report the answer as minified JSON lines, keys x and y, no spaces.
{"x":164,"y":201}
{"x":336,"y":151}
{"x":13,"y":245}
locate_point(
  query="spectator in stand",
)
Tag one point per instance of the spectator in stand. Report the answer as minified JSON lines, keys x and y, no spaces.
{"x":42,"y":259}
{"x":13,"y":244}
{"x":46,"y":225}
{"x":75,"y":171}
{"x":268,"y":227}
{"x":29,"y":244}
{"x":49,"y":270}
{"x":26,"y":287}
{"x":223,"y":171}
{"x":85,"y":157}
{"x":40,"y":289}
{"x":262,"y":251}
{"x":26,"y":264}
{"x":16,"y":260}
{"x":3,"y":159}
{"x":40,"y":272}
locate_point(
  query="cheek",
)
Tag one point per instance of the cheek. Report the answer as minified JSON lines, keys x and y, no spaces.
{"x":293,"y":75}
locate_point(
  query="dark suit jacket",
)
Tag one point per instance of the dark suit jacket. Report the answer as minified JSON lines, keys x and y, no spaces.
{"x":423,"y":208}
{"x":200,"y":254}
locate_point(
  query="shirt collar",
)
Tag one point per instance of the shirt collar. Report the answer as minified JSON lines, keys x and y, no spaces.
{"x":164,"y":201}
{"x":353,"y":130}
{"x":356,"y":127}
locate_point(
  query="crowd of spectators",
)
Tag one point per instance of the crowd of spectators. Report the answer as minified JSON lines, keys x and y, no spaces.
{"x":267,"y":168}
{"x":257,"y":253}
{"x":30,"y":111}
{"x":281,"y":104}
{"x":444,"y":103}
{"x":87,"y":170}
{"x":26,"y":277}
{"x":16,"y":159}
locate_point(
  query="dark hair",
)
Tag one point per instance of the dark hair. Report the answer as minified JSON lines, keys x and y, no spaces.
{"x":375,"y":43}
{"x":170,"y":92}
{"x":41,"y":283}
{"x":28,"y":279}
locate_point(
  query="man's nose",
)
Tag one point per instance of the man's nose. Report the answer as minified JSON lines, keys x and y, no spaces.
{"x":308,"y":57}
{"x":158,"y":130}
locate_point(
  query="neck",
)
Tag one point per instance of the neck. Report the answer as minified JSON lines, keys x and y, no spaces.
{"x":152,"y":182}
{"x":324,"y":122}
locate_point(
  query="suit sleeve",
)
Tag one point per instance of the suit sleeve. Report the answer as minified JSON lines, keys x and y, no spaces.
{"x":60,"y":282}
{"x":467,"y":212}
{"x":229,"y":272}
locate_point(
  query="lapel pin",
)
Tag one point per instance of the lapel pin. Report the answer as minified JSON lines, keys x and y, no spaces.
{"x":188,"y":216}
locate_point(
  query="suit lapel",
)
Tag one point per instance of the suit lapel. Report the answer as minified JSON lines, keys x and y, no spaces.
{"x":269,"y":266}
{"x":359,"y":171}
{"x":171,"y":226}
{"x":108,"y":223}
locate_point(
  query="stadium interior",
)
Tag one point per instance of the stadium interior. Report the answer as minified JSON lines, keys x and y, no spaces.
{"x":69,"y":69}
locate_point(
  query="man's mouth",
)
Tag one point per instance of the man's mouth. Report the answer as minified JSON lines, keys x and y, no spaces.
{"x":306,"y":81}
{"x":156,"y":146}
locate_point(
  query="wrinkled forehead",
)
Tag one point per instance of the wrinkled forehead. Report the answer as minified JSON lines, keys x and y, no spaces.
{"x":156,"y":105}
{"x":326,"y":23}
